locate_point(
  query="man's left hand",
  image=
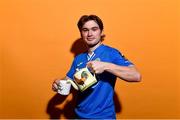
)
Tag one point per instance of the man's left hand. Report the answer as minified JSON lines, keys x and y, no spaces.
{"x":96,"y":67}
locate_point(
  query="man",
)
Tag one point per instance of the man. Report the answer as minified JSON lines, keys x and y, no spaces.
{"x":107,"y":63}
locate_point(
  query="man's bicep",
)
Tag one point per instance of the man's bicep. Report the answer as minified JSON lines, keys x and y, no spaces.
{"x":119,"y":59}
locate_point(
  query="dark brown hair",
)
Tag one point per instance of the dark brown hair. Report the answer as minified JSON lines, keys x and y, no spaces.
{"x":86,"y":18}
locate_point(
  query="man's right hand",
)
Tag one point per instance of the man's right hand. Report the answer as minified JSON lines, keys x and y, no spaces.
{"x":55,"y":85}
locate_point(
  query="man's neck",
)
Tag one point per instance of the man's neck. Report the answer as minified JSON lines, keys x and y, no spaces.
{"x":91,"y":49}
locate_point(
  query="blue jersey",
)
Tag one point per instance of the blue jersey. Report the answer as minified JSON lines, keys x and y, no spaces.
{"x":97,"y":101}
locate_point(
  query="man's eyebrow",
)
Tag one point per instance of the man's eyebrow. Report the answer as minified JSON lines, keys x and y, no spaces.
{"x":90,"y":28}
{"x":95,"y":27}
{"x":84,"y":28}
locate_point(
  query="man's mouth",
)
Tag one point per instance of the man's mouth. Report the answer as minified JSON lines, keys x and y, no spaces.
{"x":90,"y":39}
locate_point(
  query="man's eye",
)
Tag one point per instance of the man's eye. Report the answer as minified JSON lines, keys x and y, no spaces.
{"x":94,"y":29}
{"x":84,"y":30}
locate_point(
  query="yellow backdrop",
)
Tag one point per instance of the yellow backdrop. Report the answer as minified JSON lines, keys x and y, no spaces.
{"x":38,"y":38}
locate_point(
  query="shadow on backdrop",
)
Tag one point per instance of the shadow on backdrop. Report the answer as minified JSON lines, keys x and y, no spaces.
{"x":68,"y":111}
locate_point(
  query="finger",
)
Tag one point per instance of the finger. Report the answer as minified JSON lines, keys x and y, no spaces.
{"x":89,"y":64}
{"x":54,"y":87}
{"x":56,"y":82}
{"x":93,"y":70}
{"x":96,"y":72}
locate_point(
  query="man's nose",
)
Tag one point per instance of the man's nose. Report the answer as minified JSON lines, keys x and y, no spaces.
{"x":89,"y":33}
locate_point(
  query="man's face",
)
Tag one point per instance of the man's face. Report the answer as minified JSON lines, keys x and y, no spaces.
{"x":91,"y":33}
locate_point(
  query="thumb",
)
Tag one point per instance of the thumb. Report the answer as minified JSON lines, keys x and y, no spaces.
{"x":89,"y":64}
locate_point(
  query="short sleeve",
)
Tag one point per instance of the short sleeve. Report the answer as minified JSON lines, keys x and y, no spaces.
{"x":119,"y":58}
{"x":72,"y":70}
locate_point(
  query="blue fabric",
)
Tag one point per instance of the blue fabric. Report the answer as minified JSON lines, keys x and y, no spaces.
{"x":97,"y":101}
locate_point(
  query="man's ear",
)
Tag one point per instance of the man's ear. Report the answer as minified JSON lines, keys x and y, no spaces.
{"x":102,"y":35}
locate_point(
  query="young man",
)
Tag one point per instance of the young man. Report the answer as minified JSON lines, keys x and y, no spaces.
{"x":97,"y":101}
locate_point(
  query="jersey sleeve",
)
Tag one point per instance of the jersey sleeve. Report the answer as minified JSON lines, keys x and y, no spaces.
{"x":119,"y":58}
{"x":72,"y":70}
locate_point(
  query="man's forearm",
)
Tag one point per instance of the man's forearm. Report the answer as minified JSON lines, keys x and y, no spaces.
{"x":127,"y":73}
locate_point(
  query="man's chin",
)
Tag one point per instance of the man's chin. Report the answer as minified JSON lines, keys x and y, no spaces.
{"x":91,"y":44}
